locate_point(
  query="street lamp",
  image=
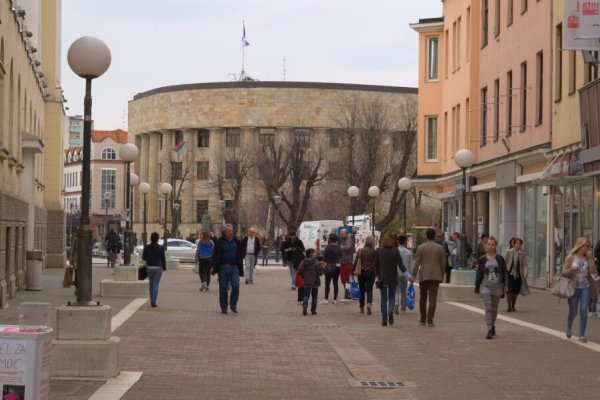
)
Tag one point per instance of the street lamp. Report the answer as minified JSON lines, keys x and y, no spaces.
{"x":88,"y":57}
{"x":134,"y":180}
{"x":373,"y":193}
{"x":353,"y":192}
{"x":405,"y":184}
{"x":277,"y":200}
{"x":463,"y":159}
{"x":176,"y":207}
{"x":128,"y":153}
{"x":165,"y":188}
{"x":107,"y":197}
{"x":222,"y":207}
{"x":144,"y":189}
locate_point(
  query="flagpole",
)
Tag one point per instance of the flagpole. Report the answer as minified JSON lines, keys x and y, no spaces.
{"x":243,"y":45}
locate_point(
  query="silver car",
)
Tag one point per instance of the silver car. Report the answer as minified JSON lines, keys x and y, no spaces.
{"x":179,"y":249}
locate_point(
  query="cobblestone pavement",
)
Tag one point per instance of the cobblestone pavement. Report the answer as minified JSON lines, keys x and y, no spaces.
{"x":187,"y":349}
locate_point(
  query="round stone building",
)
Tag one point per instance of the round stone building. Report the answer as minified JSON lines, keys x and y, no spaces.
{"x":189,"y":135}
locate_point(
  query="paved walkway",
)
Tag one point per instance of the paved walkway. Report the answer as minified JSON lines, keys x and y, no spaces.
{"x":186,"y":349}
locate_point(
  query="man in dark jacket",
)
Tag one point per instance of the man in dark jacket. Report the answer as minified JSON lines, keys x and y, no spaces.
{"x":251,"y":248}
{"x":293,"y":253}
{"x":441,"y":240}
{"x":227,"y":261}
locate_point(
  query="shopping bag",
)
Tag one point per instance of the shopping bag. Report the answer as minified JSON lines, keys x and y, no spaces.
{"x":196,"y":268}
{"x":410,"y":296}
{"x":354,"y":289}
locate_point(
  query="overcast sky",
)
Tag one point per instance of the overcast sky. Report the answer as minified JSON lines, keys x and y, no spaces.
{"x":157,"y":43}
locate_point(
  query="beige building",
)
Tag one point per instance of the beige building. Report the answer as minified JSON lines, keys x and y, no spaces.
{"x":214,"y":119}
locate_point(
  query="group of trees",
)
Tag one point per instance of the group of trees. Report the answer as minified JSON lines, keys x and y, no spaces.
{"x":376,"y":146}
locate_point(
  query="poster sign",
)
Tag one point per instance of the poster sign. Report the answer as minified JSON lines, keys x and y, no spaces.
{"x":581,"y":25}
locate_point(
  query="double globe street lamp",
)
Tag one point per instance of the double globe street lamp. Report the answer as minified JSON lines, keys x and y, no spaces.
{"x":165,"y":188}
{"x":464,"y":160}
{"x":128,"y":153}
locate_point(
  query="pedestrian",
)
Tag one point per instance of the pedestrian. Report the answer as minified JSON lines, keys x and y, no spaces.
{"x":227,"y":262}
{"x":154,"y":256}
{"x":366,"y":279}
{"x":277,"y":247}
{"x":251,"y":248}
{"x":406,"y":255}
{"x":293,"y":250}
{"x":71,"y":267}
{"x":428,"y":269}
{"x":311,"y":271}
{"x":300,"y":284}
{"x":580,"y":266}
{"x":441,"y":240}
{"x":265,"y":248}
{"x":191,"y":237}
{"x":516,"y":267}
{"x":491,"y":283}
{"x":346,"y":261}
{"x":455,"y":255}
{"x":387,"y":263}
{"x":332,"y":255}
{"x":481,"y":249}
{"x":204,"y":250}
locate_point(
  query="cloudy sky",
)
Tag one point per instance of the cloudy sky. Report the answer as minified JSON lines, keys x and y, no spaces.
{"x":157,"y":43}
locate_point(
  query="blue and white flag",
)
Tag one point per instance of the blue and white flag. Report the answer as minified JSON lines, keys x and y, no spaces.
{"x":244,"y":41}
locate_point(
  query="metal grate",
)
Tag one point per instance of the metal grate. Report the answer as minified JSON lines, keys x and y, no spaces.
{"x":381,"y":384}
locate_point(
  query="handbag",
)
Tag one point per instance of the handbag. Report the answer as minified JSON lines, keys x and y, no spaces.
{"x":329,"y":270}
{"x":410,"y":296}
{"x":358,"y":268}
{"x":196,"y":268}
{"x":142,"y":273}
{"x":563,"y":287}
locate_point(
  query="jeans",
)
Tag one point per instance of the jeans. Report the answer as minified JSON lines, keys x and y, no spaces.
{"x":388,"y":300}
{"x":265,"y":259}
{"x":581,"y":298}
{"x":308,"y":292}
{"x":249,"y":260}
{"x":277,"y":255}
{"x":401,"y":292}
{"x":154,"y":275}
{"x":428,"y":289}
{"x":229,"y":274}
{"x":334,"y":278}
{"x":290,"y":265}
{"x":365,"y":284}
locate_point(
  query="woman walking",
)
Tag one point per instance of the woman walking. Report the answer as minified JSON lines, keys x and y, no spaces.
{"x":491,"y":284}
{"x":387,"y":262}
{"x":154,"y":255}
{"x":332,"y":255}
{"x":580,"y":266}
{"x":204,"y":250}
{"x":366,"y":256}
{"x":516,"y":266}
{"x":265,"y":248}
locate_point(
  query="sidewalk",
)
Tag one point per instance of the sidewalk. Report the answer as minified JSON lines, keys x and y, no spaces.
{"x":187,"y":349}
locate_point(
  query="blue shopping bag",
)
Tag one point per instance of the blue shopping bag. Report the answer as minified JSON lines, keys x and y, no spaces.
{"x":354,"y":290}
{"x":410,"y":296}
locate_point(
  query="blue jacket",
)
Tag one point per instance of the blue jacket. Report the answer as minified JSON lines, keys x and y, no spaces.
{"x":204,"y":250}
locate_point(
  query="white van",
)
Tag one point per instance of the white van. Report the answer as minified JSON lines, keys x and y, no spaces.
{"x":314,"y":234}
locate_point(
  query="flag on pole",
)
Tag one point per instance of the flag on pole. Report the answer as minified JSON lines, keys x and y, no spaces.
{"x":244,"y":41}
{"x":179,"y":147}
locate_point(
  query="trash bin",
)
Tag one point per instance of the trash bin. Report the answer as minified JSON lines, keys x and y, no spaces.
{"x":34,"y":275}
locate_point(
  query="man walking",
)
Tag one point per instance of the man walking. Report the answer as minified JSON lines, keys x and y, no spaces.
{"x":227,"y":261}
{"x":346,"y":261}
{"x":428,"y":269}
{"x":441,"y":240}
{"x":293,"y":252}
{"x":401,"y":289}
{"x":251,"y":247}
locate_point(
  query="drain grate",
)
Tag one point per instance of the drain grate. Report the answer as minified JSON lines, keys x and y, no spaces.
{"x":381,"y":384}
{"x":327,"y":326}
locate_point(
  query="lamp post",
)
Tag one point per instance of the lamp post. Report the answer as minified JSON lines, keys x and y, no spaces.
{"x":128,"y":152}
{"x":353,"y":192}
{"x":176,"y":208}
{"x":405,"y":184}
{"x":134,"y":180}
{"x":107,"y":197}
{"x":165,"y":188}
{"x":144,"y":189}
{"x":463,"y":159}
{"x":222,"y":207}
{"x":88,"y":57}
{"x":373,"y":194}
{"x":277,"y":200}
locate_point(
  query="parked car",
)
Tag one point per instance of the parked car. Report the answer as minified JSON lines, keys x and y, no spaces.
{"x":179,"y":249}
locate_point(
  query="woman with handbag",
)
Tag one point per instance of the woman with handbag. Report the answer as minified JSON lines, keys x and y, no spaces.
{"x":332,"y":256}
{"x":580,"y":267}
{"x":516,"y":266}
{"x":491,"y":284}
{"x":156,"y":263}
{"x":364,"y":268}
{"x":387,"y":262}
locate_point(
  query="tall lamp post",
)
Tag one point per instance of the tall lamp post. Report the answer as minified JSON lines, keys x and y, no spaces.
{"x":373,"y":194}
{"x":222,"y":207}
{"x":128,"y":153}
{"x":464,"y":160}
{"x":107,"y":197}
{"x":177,"y":208}
{"x":89,"y":58}
{"x":144,"y":189}
{"x":405,"y":184}
{"x":134,"y":180}
{"x":277,"y":200}
{"x":353,"y":192}
{"x":165,"y":188}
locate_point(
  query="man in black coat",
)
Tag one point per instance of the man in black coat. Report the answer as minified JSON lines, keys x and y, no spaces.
{"x":293,"y":252}
{"x":227,"y":261}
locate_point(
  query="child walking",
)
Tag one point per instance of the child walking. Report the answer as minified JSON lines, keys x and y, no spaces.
{"x":311,"y":271}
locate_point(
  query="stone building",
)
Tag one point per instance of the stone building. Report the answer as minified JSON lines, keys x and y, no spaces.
{"x":191,"y":127}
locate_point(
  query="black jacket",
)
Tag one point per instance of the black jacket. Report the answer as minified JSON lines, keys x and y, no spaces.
{"x":387,"y":262}
{"x":256,"y":245}
{"x":481,"y":271}
{"x":311,"y":270}
{"x":297,"y":254}
{"x":332,"y":254}
{"x":154,"y":256}
{"x":215,"y":263}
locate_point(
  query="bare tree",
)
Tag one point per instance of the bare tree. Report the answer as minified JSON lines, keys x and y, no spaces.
{"x":179,"y":171}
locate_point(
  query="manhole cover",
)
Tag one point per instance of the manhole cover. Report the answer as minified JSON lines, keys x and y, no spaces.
{"x":381,"y":384}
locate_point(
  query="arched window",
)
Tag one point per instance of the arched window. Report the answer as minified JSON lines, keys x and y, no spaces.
{"x":109,"y":154}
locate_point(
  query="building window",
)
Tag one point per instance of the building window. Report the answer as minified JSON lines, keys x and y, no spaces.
{"x":468,"y":35}
{"x":203,"y":138}
{"x":496,"y":110}
{"x":484,"y":23}
{"x":523,"y":6}
{"x":178,"y":136}
{"x":432,"y":58}
{"x":160,"y":140}
{"x":201,"y":208}
{"x":457,"y":42}
{"x":202,"y":170}
{"x":468,"y":119}
{"x":446,"y":52}
{"x":109,"y":179}
{"x":572,"y":72}
{"x":509,"y":12}
{"x":523,"y":90}
{"x":509,"y":103}
{"x":457,"y":127}
{"x":232,"y":137}
{"x":176,"y":169}
{"x":266,"y":137}
{"x":454,"y":61}
{"x":558,"y":62}
{"x":335,"y":138}
{"x":109,"y":154}
{"x":591,"y":69}
{"x":497,"y":18}
{"x":231,"y":169}
{"x":431,"y":124}
{"x":539,"y":93}
{"x":484,"y":116}
{"x":302,"y":137}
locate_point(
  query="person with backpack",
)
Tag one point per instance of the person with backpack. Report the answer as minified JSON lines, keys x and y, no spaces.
{"x":311,"y":271}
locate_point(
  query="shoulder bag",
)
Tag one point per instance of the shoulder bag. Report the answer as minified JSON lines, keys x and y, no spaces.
{"x":563,"y":287}
{"x":142,"y":273}
{"x":358,"y":267}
